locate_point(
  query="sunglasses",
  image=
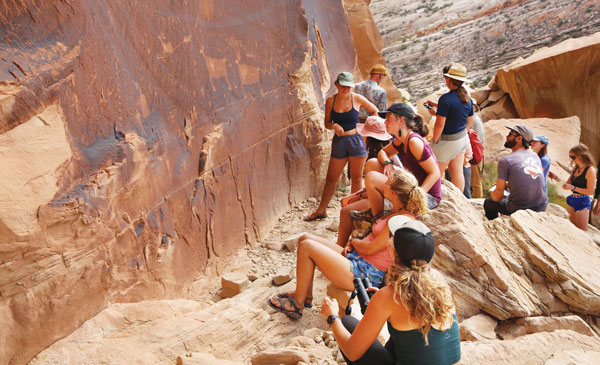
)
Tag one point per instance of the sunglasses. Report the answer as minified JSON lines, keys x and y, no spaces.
{"x":572,"y":157}
{"x":513,"y":133}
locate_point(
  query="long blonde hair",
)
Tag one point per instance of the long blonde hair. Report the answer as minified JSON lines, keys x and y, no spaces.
{"x":406,"y":186}
{"x":427,"y":300}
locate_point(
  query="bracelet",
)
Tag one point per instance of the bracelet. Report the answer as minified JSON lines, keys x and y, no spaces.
{"x":573,"y":190}
{"x":387,"y":162}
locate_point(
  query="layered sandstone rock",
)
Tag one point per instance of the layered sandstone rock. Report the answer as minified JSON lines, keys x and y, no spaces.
{"x":368,"y":44}
{"x":558,"y":82}
{"x":142,"y":143}
{"x":523,"y":265}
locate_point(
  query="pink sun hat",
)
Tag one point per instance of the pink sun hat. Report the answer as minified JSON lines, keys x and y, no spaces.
{"x":374,"y":127}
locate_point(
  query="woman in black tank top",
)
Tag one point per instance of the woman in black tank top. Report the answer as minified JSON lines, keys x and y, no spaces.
{"x":341,"y":116}
{"x":581,"y":183}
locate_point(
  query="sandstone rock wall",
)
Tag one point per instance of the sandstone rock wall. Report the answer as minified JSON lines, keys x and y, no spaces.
{"x":142,"y":143}
{"x":368,"y":44}
{"x":557,"y":82}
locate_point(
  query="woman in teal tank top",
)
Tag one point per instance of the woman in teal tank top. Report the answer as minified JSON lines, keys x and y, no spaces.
{"x":416,"y":304}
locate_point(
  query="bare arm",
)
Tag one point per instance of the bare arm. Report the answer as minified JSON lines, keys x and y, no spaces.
{"x":356,"y":344}
{"x":385,"y":154}
{"x":440,"y":122}
{"x":416,"y":147}
{"x":498,"y":194}
{"x":591,"y":183}
{"x":470,"y":121}
{"x":379,"y":243}
{"x":362,"y":101}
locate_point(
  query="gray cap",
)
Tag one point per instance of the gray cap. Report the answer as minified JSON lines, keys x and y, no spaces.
{"x":523,"y":131}
{"x":345,"y":79}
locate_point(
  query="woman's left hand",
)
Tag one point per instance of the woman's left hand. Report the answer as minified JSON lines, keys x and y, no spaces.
{"x":329,"y":307}
{"x":567,"y":186}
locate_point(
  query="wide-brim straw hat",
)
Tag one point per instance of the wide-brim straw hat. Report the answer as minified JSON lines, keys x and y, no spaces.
{"x":457,"y":72}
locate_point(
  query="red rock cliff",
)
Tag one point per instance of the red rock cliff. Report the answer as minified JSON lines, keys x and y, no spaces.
{"x":142,"y":142}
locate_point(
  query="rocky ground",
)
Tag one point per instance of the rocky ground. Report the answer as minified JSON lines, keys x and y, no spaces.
{"x":421,"y":37}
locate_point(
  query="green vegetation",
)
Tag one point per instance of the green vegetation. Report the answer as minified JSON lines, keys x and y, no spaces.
{"x":489,"y":177}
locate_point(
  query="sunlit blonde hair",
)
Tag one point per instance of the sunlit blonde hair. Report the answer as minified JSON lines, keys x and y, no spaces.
{"x":406,"y":186}
{"x":428,"y":300}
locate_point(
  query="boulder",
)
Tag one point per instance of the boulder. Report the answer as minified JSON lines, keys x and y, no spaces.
{"x":283,"y":275}
{"x":478,"y":327}
{"x":134,"y":156}
{"x":282,"y":356}
{"x":495,"y":266}
{"x":233,"y":283}
{"x":481,"y":95}
{"x":291,"y":243}
{"x":525,"y":326}
{"x":503,"y":108}
{"x":538,"y":348}
{"x":539,"y":88}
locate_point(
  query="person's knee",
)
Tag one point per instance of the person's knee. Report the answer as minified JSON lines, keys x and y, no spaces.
{"x":373,"y":179}
{"x":373,"y":164}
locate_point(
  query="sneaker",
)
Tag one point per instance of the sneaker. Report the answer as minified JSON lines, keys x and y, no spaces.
{"x":364,"y":215}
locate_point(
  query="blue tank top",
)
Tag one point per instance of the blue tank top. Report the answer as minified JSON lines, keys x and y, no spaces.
{"x":443,"y":349}
{"x":347,"y":120}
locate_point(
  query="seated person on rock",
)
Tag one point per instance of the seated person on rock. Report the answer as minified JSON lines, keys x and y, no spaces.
{"x":377,"y":136}
{"x":416,"y":304}
{"x":362,"y":258}
{"x":414,"y":151}
{"x":521,"y":171}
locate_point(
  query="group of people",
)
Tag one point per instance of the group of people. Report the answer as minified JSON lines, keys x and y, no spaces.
{"x":402,"y":174}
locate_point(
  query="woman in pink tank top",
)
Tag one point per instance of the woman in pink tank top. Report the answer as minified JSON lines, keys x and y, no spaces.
{"x":362,"y":258}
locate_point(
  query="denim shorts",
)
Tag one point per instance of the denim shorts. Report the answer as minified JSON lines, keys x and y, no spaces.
{"x":351,"y":145}
{"x":365,"y":270}
{"x":447,"y":150}
{"x":579,"y":202}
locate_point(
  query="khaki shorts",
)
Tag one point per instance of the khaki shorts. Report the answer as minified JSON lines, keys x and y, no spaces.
{"x":446,"y":150}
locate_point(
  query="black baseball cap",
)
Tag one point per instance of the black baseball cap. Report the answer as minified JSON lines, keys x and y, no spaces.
{"x":413,"y":240}
{"x":402,"y":109}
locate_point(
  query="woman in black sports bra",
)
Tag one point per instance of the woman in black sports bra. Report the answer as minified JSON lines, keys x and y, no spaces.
{"x":341,"y":115}
{"x":581,"y":183}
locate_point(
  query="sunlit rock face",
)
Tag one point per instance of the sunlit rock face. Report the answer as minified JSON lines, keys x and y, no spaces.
{"x":142,"y":143}
{"x":559,"y":81}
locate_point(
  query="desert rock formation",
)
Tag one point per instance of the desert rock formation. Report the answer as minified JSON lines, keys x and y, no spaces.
{"x":525,"y":270}
{"x":421,"y":37}
{"x":559,"y":82}
{"x":368,"y":45}
{"x":144,"y":143}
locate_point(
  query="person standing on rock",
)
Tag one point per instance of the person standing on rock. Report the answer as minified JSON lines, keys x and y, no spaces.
{"x":371,"y":90}
{"x":521,"y":172}
{"x":454,"y":116}
{"x":347,"y":145}
{"x":539,"y":145}
{"x":581,"y":183}
{"x":416,"y":305}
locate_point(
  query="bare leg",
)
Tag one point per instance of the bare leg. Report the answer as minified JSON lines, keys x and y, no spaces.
{"x":373,"y":164}
{"x":375,"y":182}
{"x":336,"y":166}
{"x":443,"y":166}
{"x":356,"y":170}
{"x":580,"y":219}
{"x":571,"y":212}
{"x":332,"y":264}
{"x":345,"y":227}
{"x":456,"y":171}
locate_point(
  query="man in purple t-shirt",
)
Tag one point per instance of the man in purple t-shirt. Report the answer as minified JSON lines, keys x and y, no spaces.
{"x":522,"y":173}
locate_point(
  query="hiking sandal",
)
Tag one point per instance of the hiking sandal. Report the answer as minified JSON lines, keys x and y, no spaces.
{"x":307,"y":301}
{"x":295,"y":313}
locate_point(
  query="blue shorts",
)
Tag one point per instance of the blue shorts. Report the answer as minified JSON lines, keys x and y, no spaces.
{"x":352,"y":145}
{"x":579,"y":202}
{"x":364,"y":270}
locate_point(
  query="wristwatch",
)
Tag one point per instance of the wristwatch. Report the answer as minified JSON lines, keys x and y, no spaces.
{"x":332,"y":319}
{"x":387,"y":162}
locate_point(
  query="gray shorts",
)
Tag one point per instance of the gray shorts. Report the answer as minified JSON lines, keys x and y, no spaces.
{"x":352,"y":145}
{"x":447,"y":149}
